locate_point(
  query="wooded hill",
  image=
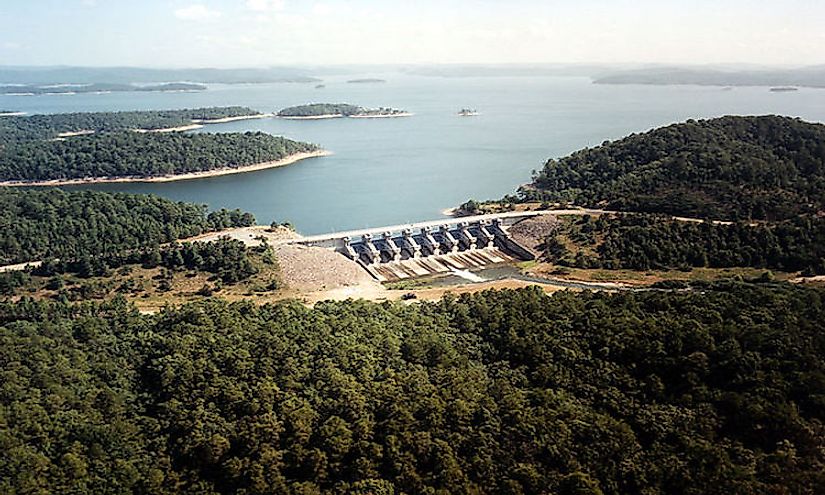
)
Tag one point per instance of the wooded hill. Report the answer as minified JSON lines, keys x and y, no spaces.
{"x":36,"y":224}
{"x":512,"y":392}
{"x":744,"y":168}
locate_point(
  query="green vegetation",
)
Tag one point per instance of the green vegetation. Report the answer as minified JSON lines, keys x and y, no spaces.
{"x":336,"y":109}
{"x":719,"y":391}
{"x":130,"y":154}
{"x":645,"y":242}
{"x":51,"y":223}
{"x":736,"y":168}
{"x":319,"y":109}
{"x":37,"y":127}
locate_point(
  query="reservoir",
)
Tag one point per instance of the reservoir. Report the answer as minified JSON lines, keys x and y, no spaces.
{"x":402,"y":170}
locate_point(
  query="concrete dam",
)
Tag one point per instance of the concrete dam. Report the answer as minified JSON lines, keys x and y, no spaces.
{"x":427,"y":248}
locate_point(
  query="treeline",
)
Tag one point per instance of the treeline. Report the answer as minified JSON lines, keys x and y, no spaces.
{"x":130,"y":154}
{"x":227,"y":258}
{"x":644,"y":242}
{"x":51,"y":223}
{"x":737,"y":168}
{"x":317,"y":109}
{"x":511,"y":392}
{"x":36,"y":127}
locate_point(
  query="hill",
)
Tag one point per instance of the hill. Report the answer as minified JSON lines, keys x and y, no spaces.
{"x":737,"y":168}
{"x":718,"y":391}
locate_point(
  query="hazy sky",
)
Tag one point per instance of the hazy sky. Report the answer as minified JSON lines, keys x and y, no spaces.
{"x":281,"y":32}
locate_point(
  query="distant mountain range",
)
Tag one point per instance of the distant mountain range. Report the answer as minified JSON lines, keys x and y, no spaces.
{"x":95,"y":88}
{"x":133,"y":75}
{"x":812,"y":77}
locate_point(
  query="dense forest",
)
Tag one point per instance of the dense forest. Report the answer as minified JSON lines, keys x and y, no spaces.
{"x":736,"y":168}
{"x":342,"y":109}
{"x":719,"y":391}
{"x":52,"y":223}
{"x":318,"y":109}
{"x":36,"y":127}
{"x":644,"y":242}
{"x":130,"y":154}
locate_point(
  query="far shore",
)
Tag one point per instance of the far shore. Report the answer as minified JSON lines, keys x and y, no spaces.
{"x":172,"y":178}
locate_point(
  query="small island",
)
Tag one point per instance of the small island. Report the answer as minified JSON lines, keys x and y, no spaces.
{"x":366,"y":81}
{"x":468,"y":112}
{"x":784,"y":89}
{"x":318,"y":111}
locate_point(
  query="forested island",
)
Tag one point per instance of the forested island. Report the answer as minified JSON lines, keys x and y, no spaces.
{"x":338,"y":110}
{"x":96,"y":88}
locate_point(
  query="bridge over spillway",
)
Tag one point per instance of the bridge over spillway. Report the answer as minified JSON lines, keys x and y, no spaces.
{"x":426,"y":248}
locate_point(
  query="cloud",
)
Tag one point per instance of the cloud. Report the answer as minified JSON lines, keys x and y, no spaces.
{"x":197,"y":12}
{"x":10,"y":45}
{"x":265,"y":5}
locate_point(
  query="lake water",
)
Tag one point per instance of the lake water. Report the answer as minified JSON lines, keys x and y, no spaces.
{"x":393,"y":171}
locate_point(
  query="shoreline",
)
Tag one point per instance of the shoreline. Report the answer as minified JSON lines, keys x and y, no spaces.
{"x":289,"y":160}
{"x":12,"y":114}
{"x":313,"y":117}
{"x":183,"y":128}
{"x":224,"y":120}
{"x":342,"y":116}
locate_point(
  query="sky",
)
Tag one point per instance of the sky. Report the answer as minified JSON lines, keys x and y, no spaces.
{"x":235,"y":33}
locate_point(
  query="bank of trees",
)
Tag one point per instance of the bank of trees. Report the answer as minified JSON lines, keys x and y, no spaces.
{"x":318,"y":109}
{"x":50,"y":223}
{"x":643,"y":242}
{"x":501,"y":392}
{"x":742,"y":168}
{"x":130,"y":154}
{"x":49,"y":126}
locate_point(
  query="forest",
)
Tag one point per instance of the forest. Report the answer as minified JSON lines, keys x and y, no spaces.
{"x":41,"y":126}
{"x":131,"y":154}
{"x":51,"y":223}
{"x":645,"y":242}
{"x":318,"y":109}
{"x":718,"y":391}
{"x":343,"y":109}
{"x":730,"y":168}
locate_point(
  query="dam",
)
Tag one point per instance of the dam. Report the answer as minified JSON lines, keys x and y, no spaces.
{"x":421,"y":249}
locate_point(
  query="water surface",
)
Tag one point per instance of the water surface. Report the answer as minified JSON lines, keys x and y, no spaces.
{"x":393,"y":171}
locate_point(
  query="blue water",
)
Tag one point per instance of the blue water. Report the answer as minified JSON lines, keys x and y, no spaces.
{"x":392,"y":171}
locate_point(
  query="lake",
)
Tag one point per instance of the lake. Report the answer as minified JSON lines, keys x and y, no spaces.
{"x":394,"y":171}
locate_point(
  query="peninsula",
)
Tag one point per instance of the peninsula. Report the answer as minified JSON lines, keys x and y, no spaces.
{"x":318,"y":111}
{"x":83,"y":148}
